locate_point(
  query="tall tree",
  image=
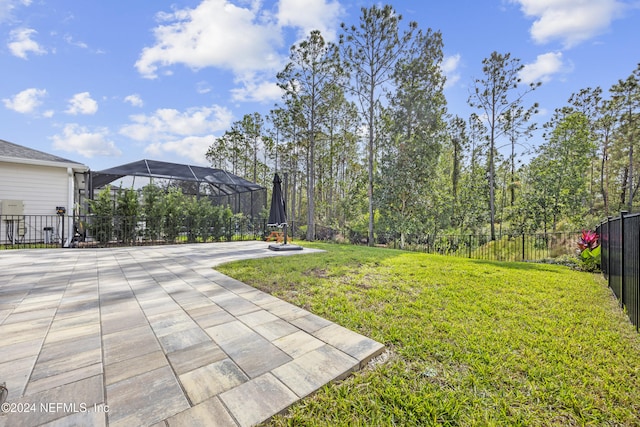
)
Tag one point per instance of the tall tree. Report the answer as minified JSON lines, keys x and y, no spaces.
{"x":604,"y":128}
{"x":314,"y":66}
{"x":415,"y":126}
{"x":252,"y":127}
{"x":372,"y":49}
{"x":457,"y":134}
{"x":218,"y":152}
{"x":562,"y":168}
{"x":496,"y":94}
{"x":590,"y":103}
{"x":517,"y":127}
{"x":291,"y":148}
{"x":338,"y":131}
{"x":229,"y":151}
{"x":475,"y":197}
{"x":626,"y":98}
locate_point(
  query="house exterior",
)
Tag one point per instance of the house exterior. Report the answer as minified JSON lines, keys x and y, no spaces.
{"x":33,"y":186}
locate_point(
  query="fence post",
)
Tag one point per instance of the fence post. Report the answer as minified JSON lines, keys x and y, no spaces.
{"x":523,"y":256}
{"x":622,"y":215}
{"x":609,"y":218}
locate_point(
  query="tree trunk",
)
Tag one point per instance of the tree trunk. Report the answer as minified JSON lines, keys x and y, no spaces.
{"x":310,"y":190}
{"x":492,"y":171}
{"x":513,"y":172}
{"x":492,"y":195}
{"x":291,"y":219}
{"x":604,"y":187}
{"x":630,"y":177}
{"x":370,"y":166}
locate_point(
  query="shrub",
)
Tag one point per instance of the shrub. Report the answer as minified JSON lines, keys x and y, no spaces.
{"x":126,"y":212}
{"x":153,"y":210}
{"x":589,"y":246}
{"x":101,"y":225}
{"x":173,"y":206}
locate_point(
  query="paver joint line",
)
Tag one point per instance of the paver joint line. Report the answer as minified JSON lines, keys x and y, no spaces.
{"x":156,"y":335}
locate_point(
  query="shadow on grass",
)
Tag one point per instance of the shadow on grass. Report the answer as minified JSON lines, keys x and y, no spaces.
{"x":375,"y":254}
{"x":528,"y":266}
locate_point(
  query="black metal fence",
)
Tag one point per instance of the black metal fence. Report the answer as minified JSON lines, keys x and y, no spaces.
{"x":48,"y":231}
{"x":19,"y":231}
{"x":512,"y":247}
{"x":620,"y":255}
{"x":36,"y":231}
{"x":507,"y":247}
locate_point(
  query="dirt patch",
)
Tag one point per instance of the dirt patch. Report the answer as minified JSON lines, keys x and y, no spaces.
{"x":320,"y":273}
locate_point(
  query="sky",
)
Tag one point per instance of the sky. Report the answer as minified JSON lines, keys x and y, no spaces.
{"x":108,"y":83}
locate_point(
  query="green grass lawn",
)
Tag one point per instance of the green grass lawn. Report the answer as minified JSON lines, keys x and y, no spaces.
{"x":469,"y":342}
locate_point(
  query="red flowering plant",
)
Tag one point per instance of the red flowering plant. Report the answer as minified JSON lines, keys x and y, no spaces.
{"x":588,"y":240}
{"x":589,"y":244}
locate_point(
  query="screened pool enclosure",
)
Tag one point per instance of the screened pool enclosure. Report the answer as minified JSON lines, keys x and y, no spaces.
{"x":221,"y":187}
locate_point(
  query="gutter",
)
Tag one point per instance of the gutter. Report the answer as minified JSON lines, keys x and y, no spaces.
{"x":76,"y":167}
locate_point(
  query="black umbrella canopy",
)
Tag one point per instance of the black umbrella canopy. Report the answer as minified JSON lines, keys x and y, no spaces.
{"x":277,"y":213}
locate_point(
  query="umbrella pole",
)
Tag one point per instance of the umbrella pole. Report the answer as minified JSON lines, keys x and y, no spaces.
{"x":286,"y":182}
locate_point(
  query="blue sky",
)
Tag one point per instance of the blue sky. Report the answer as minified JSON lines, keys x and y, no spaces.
{"x":107,"y":83}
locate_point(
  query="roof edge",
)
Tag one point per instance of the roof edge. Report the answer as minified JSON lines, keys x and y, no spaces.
{"x":77,"y":167}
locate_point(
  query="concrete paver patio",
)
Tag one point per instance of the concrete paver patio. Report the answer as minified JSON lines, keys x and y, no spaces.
{"x":156,"y":336}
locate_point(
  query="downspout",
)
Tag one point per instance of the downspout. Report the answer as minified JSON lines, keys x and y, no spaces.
{"x":70,"y":208}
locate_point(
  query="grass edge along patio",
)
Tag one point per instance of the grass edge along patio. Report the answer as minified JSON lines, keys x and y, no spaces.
{"x":471,"y":342}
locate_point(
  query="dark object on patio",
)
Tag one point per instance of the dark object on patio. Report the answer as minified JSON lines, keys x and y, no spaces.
{"x":3,"y":393}
{"x":278,"y":215}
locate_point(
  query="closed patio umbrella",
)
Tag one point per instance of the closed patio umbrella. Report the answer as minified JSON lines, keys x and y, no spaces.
{"x":277,"y":213}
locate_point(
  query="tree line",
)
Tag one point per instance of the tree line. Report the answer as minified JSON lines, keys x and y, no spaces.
{"x":366,"y":141}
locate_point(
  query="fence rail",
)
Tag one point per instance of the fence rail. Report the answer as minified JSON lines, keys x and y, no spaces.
{"x":49,"y":231}
{"x":620,"y":257}
{"x":508,"y":247}
{"x":513,"y":247}
{"x":31,"y":230}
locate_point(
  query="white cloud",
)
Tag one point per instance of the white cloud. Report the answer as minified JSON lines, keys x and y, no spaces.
{"x":449,"y":68}
{"x":188,"y":134}
{"x":216,"y":33}
{"x":134,"y":100}
{"x":80,"y":140}
{"x":203,"y":87}
{"x":311,"y":15}
{"x":255,"y":89}
{"x":570,"y":21}
{"x":8,"y":6}
{"x":21,"y":44}
{"x":545,"y":66}
{"x":193,"y":148}
{"x":26,"y":101}
{"x":242,"y":37}
{"x":82,"y":103}
{"x":166,"y":123}
{"x":69,"y":39}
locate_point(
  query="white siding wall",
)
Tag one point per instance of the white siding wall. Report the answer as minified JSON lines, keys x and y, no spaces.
{"x":41,"y":189}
